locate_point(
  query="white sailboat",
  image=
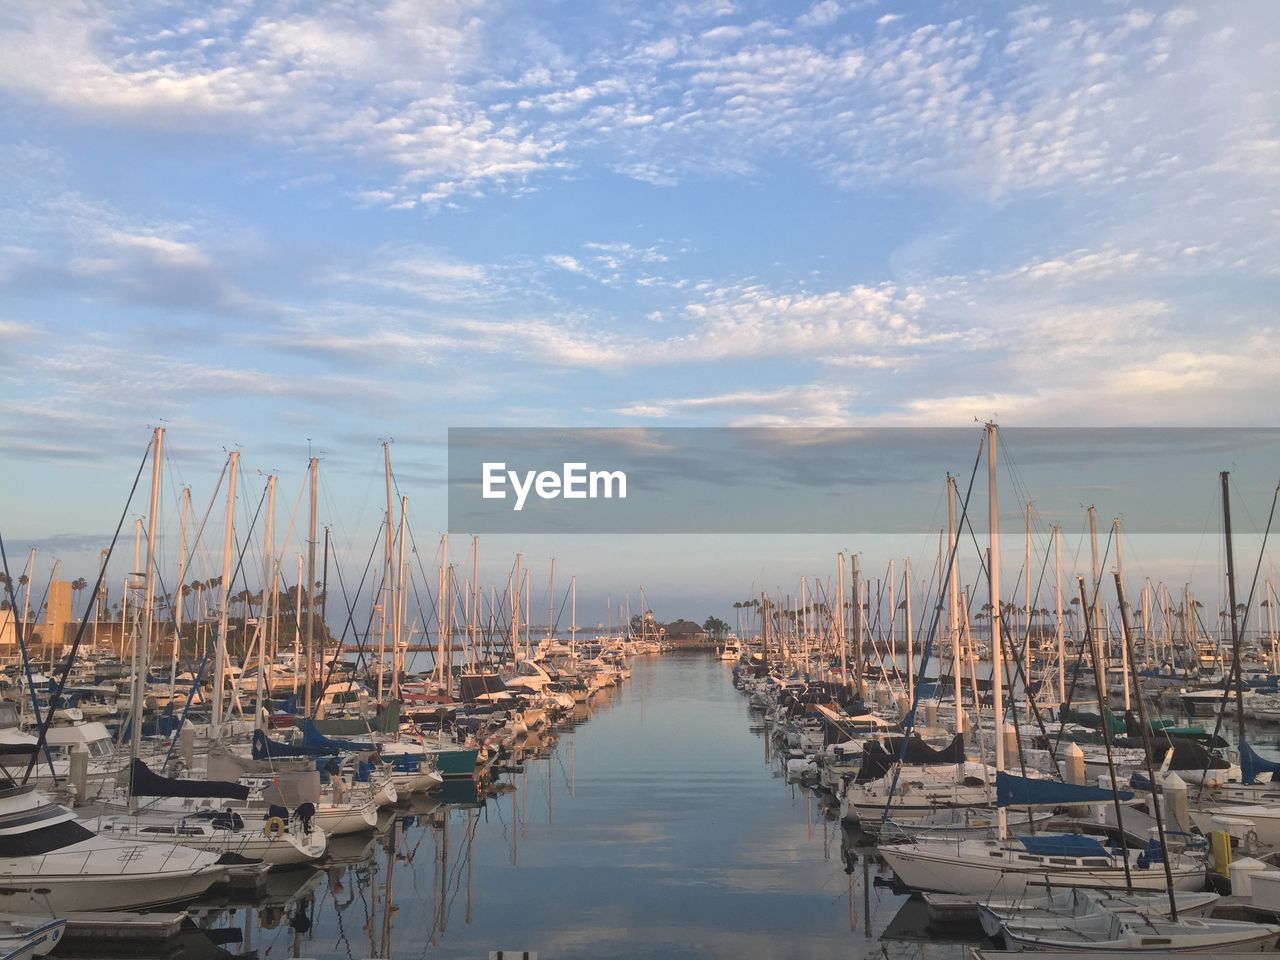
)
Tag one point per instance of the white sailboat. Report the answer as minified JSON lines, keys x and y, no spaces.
{"x":1010,"y":868}
{"x":278,"y":841}
{"x":1136,"y":934}
{"x":1048,"y":912}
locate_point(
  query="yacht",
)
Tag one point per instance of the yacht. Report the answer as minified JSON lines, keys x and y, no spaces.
{"x":51,"y":862}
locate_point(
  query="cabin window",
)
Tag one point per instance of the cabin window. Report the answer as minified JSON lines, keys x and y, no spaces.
{"x":1096,"y":862}
{"x":1062,"y":861}
{"x":35,"y":842}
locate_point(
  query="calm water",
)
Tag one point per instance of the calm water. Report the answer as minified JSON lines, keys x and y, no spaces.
{"x":657,"y":828}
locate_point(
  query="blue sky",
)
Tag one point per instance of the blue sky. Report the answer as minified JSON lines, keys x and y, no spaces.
{"x":263,"y":222}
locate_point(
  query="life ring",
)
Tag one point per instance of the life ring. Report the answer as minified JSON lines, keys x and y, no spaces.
{"x":275,"y":828}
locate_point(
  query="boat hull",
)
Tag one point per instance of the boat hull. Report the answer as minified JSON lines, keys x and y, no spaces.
{"x":928,"y":867}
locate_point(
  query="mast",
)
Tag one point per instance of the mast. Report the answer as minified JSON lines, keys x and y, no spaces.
{"x":313,"y":469}
{"x":1127,"y":639}
{"x":297,"y":630}
{"x":857,"y":631}
{"x":148,"y":606}
{"x":893,"y":619}
{"x":1125,"y":662}
{"x":397,"y":652}
{"x":953,"y":605}
{"x":997,"y":644}
{"x":1026,"y":592}
{"x":268,"y":596}
{"x":444,"y":656}
{"x":841,"y":623}
{"x":911,"y":654}
{"x":551,"y":605}
{"x":573,"y":614}
{"x":1104,"y":714}
{"x":387,"y":567}
{"x":1057,"y":603}
{"x":1231,"y":599}
{"x":514,"y":599}
{"x":228,"y":536}
{"x":182,"y":576}
{"x":1096,"y":582}
{"x":475,"y":599}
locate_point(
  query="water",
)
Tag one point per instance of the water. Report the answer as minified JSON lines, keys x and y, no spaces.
{"x":658,"y":828}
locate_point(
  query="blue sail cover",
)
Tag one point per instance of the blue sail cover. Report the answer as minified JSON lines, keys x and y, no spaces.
{"x":1251,"y":764}
{"x":1063,"y":845}
{"x":1014,"y":791}
{"x":314,"y":739}
{"x":264,"y":748}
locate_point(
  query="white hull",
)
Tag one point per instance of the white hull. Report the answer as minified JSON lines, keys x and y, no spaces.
{"x":949,"y":867}
{"x":62,"y":891}
{"x":338,"y":820}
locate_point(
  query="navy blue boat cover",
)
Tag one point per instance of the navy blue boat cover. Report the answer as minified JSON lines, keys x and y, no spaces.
{"x":1014,"y":791}
{"x":264,"y":748}
{"x":145,"y":782}
{"x":1064,"y":845}
{"x":1251,"y":764}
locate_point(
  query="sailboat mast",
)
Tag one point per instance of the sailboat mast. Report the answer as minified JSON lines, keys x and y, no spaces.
{"x":1231,"y":599}
{"x":1026,"y":606}
{"x":444,"y":654}
{"x":910,"y":638}
{"x":397,"y":649}
{"x":148,"y":606}
{"x":514,"y":599}
{"x":997,"y":645}
{"x":1057,"y":603}
{"x":840,"y":623}
{"x":387,"y":567}
{"x":475,"y":600}
{"x":953,"y":605}
{"x":182,"y":576}
{"x":313,"y":469}
{"x":228,"y":539}
{"x":266,"y":645}
{"x":1125,"y":664}
{"x":551,"y":604}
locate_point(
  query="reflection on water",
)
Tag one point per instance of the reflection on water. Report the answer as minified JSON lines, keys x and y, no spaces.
{"x":660,"y":828}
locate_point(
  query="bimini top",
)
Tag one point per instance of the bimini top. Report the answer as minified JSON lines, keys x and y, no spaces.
{"x":1064,"y":845}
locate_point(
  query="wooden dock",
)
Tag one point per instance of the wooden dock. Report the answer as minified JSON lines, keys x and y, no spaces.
{"x":123,"y":926}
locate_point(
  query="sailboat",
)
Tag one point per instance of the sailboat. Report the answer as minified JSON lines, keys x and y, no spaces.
{"x":1049,"y":912}
{"x":1134,"y":933}
{"x":279,"y":838}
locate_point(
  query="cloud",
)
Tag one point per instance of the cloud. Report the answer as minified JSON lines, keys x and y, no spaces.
{"x":382,"y":82}
{"x":810,"y":405}
{"x":564,"y":262}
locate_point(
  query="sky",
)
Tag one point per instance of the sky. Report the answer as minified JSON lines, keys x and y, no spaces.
{"x":287,"y":227}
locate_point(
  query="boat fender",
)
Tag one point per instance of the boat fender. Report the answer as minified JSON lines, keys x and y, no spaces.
{"x":274,"y":828}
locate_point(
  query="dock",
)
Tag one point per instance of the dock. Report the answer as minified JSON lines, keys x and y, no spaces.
{"x":121,"y":926}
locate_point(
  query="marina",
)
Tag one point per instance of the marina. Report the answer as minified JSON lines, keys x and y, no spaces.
{"x":726,"y":479}
{"x":823,"y":776}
